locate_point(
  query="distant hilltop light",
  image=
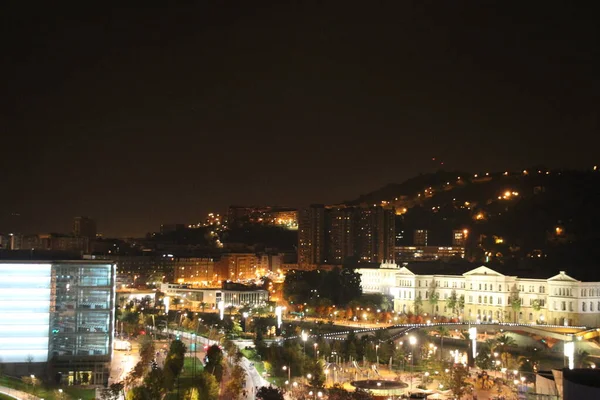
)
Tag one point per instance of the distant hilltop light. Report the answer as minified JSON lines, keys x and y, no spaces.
{"x":595,"y":167}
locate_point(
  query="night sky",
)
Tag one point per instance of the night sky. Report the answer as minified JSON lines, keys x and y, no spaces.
{"x":138,"y":117}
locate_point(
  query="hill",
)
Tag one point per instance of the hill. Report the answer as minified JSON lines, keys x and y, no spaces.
{"x":530,"y":219}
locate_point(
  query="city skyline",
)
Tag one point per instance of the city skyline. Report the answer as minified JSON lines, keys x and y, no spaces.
{"x":143,"y":117}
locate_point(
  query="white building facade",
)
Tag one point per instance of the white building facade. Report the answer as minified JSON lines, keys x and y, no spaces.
{"x":486,"y":295}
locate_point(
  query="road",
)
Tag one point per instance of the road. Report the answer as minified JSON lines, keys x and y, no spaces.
{"x":123,"y":362}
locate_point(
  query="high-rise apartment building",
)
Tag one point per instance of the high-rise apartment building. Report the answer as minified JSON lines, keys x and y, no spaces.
{"x":57,"y":319}
{"x":459,"y":237}
{"x":375,"y":234}
{"x":311,"y":235}
{"x":333,"y":235}
{"x":84,"y":227}
{"x":420,"y":237}
{"x":340,"y":232}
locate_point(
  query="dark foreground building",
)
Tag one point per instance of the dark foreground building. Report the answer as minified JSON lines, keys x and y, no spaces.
{"x":57,"y":319}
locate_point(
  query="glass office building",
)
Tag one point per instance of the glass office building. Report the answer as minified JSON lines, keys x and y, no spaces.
{"x":65,"y":312}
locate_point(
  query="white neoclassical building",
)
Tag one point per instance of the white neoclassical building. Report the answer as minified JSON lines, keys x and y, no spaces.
{"x":559,"y":299}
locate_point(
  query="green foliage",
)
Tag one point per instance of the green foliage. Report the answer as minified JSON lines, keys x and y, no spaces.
{"x":269,"y":393}
{"x":434,"y":295}
{"x":418,"y":303}
{"x":340,"y":286}
{"x":139,"y":393}
{"x":452,"y":301}
{"x":337,"y":392}
{"x":456,"y":380}
{"x":234,"y":386}
{"x":215,"y":362}
{"x":515,"y":301}
{"x":208,"y":387}
{"x":147,"y":349}
{"x":154,"y":383}
{"x":192,"y":394}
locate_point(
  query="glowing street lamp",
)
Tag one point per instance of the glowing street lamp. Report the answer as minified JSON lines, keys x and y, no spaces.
{"x":413,"y":341}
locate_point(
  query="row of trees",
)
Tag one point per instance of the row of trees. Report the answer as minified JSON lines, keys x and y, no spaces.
{"x":340,"y":286}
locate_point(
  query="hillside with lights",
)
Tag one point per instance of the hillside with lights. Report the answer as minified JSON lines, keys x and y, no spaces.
{"x":528,"y":220}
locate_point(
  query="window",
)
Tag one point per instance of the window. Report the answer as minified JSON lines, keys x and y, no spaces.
{"x":471,"y":286}
{"x":530,"y":316}
{"x":499,"y":300}
{"x":570,"y":306}
{"x":542,"y":289}
{"x":485,"y":299}
{"x":583,"y":306}
{"x":471,"y":299}
{"x":499,"y":288}
{"x":480,"y":286}
{"x":486,"y":286}
{"x":591,"y":306}
{"x":479,"y":300}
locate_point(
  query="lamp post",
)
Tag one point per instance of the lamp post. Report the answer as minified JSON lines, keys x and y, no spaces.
{"x":289,"y":371}
{"x":413,"y":341}
{"x":304,"y":337}
{"x":315,"y":346}
{"x":377,"y":354}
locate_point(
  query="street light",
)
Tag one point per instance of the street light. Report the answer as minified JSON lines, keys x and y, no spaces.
{"x":289,"y":371}
{"x":304,"y":337}
{"x":377,"y":354}
{"x":413,"y":341}
{"x":315,"y":346}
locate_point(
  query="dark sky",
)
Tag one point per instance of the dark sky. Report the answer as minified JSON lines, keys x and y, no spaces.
{"x":141,"y":116}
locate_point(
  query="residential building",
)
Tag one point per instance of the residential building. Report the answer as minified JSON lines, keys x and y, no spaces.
{"x":336,"y":234}
{"x":459,"y":237}
{"x":559,"y":299}
{"x":405,"y":254}
{"x":196,"y":271}
{"x":420,"y":237}
{"x":84,"y":227}
{"x":311,"y":235}
{"x":238,"y":267}
{"x":57,"y":319}
{"x":340,"y":232}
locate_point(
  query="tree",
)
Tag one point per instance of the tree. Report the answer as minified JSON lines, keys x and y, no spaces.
{"x":515,"y":301}
{"x":113,"y":392}
{"x":503,"y":342}
{"x":235,"y":384}
{"x":154,"y":383}
{"x":460,"y":306}
{"x":139,"y":393}
{"x":337,"y":392}
{"x":418,"y":303}
{"x":192,"y":394}
{"x":269,"y":393}
{"x":203,"y":305}
{"x":443,"y":332}
{"x":456,"y":380}
{"x":452,"y":301}
{"x":214,"y":365}
{"x":147,"y":349}
{"x":434,"y":295}
{"x":208,"y":387}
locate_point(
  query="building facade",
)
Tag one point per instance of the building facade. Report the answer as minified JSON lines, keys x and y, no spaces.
{"x":311,"y":235}
{"x":84,"y":227}
{"x":488,"y":295}
{"x":427,"y":253}
{"x":57,"y":318}
{"x":196,"y":298}
{"x":337,"y":234}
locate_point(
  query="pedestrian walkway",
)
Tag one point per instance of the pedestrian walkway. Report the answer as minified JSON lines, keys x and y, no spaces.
{"x":17,"y":394}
